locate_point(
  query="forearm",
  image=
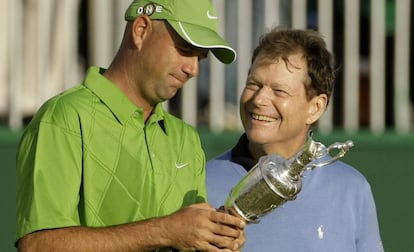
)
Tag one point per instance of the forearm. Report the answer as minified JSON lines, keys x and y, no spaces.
{"x":139,"y":236}
{"x":197,"y":227}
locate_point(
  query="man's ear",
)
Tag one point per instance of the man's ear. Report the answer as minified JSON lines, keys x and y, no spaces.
{"x":317,"y":108}
{"x":141,"y":28}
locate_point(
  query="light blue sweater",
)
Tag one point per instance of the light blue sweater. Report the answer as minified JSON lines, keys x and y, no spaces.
{"x":335,"y":211}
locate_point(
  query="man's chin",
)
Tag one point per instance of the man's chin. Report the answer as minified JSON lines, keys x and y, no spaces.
{"x":259,"y":136}
{"x":170,"y":95}
{"x":167,"y":97}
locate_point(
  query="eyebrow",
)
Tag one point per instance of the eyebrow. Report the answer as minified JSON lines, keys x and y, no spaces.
{"x":252,"y":79}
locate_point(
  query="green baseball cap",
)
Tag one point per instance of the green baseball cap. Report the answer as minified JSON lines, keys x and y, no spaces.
{"x":194,"y":20}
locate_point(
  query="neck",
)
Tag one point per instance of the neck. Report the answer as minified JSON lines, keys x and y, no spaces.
{"x":283,"y":149}
{"x":118,"y":72}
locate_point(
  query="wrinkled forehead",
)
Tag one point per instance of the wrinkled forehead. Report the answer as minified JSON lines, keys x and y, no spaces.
{"x":294,"y":63}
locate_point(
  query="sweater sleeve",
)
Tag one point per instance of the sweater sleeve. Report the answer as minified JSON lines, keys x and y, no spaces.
{"x":368,"y":234}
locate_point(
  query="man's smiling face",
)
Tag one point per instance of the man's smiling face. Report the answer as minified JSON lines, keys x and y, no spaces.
{"x":274,"y":109}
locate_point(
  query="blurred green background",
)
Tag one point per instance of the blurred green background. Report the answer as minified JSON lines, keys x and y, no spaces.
{"x":386,"y":161}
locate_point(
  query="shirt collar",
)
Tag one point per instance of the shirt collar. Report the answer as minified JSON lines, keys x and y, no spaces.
{"x":240,"y":153}
{"x":116,"y":100}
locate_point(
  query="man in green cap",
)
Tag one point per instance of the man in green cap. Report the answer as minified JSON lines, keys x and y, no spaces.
{"x":103,"y":167}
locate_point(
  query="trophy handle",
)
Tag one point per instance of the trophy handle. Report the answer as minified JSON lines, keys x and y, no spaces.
{"x":323,"y":151}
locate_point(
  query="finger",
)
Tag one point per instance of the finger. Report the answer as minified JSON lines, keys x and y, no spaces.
{"x":241,"y":241}
{"x":224,"y":230}
{"x":227,"y":219}
{"x":233,"y":212}
{"x":226,"y":243}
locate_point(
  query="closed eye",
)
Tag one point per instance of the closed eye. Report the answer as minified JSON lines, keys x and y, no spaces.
{"x":188,"y":50}
{"x":252,"y":86}
{"x":279,"y":91}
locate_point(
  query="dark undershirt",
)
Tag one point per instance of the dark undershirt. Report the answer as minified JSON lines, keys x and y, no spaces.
{"x":240,"y":153}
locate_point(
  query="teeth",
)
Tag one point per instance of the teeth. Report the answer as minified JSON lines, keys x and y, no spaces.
{"x":262,"y":118}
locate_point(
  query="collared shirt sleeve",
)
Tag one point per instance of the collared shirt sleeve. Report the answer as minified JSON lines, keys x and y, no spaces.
{"x":48,"y":171}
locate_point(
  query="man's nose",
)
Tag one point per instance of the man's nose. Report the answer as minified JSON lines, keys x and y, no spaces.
{"x":191,"y":66}
{"x":261,"y":96}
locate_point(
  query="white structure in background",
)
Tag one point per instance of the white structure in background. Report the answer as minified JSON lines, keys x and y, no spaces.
{"x":39,"y":55}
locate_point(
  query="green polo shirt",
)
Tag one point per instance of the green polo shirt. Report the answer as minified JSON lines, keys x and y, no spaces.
{"x":88,"y":159}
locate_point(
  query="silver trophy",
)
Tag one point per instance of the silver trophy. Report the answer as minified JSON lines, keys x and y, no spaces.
{"x":275,"y":180}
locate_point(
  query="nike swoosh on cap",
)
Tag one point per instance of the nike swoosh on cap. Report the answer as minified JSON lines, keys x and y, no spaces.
{"x":210,"y":16}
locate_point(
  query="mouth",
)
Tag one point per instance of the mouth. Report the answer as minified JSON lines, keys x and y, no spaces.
{"x":262,"y":118}
{"x":180,"y":79}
